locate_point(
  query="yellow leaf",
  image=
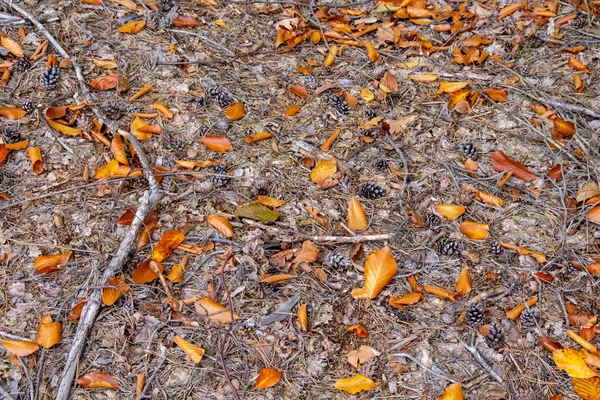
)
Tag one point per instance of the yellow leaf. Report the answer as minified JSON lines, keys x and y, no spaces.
{"x":357,"y":218}
{"x":64,"y":129}
{"x":49,"y":333}
{"x":303,"y":317}
{"x":19,"y":347}
{"x":367,"y":95}
{"x":270,"y":201}
{"x":453,"y":392}
{"x":214,"y":311}
{"x":583,"y":342}
{"x":235,"y":111}
{"x":222,"y":224}
{"x":587,"y":389}
{"x":355,"y":384}
{"x":143,"y":130}
{"x":267,"y":377}
{"x":176,"y":273}
{"x":449,"y":87}
{"x":323,"y":170}
{"x":11,"y":45}
{"x":450,"y":211}
{"x":371,"y":52}
{"x":220,"y":23}
{"x":380,"y":269}
{"x":133,"y":27}
{"x":489,"y":198}
{"x":463,"y":283}
{"x":474,"y":230}
{"x":428,"y":78}
{"x":194,"y":352}
{"x":330,"y":59}
{"x":108,"y":64}
{"x":572,"y":362}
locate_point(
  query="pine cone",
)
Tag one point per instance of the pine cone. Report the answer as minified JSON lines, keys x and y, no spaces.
{"x":3,"y":52}
{"x":340,"y":104}
{"x":381,"y":164}
{"x":19,"y":64}
{"x":166,"y":5}
{"x":432,"y":220}
{"x":11,"y":134}
{"x":370,"y":113}
{"x":261,"y":189}
{"x":152,"y":21}
{"x":223,"y":176}
{"x":371,"y":191}
{"x":28,"y":106}
{"x":475,"y":314}
{"x":164,"y":21}
{"x":113,"y":110}
{"x":496,"y":247}
{"x":177,"y":146}
{"x":49,"y":79}
{"x":167,"y":183}
{"x":495,"y":336}
{"x":449,"y":247}
{"x":220,"y":96}
{"x":468,"y":150}
{"x":529,"y":316}
{"x":310,"y":81}
{"x":337,"y":260}
{"x":402,"y":316}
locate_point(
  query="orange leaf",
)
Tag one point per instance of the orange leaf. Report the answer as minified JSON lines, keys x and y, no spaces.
{"x":406,"y":299}
{"x":118,"y":150}
{"x":515,"y":312}
{"x":388,"y":83}
{"x":176,"y":273}
{"x":64,"y":129}
{"x":442,"y":294}
{"x":222,"y":224}
{"x":49,"y":333}
{"x":474,"y":230}
{"x":450,"y":211}
{"x":587,"y":389}
{"x":270,"y":201}
{"x":307,"y":254}
{"x":449,"y":87}
{"x":108,"y":64}
{"x":496,"y":94}
{"x":303,"y":317}
{"x":105,"y":82}
{"x":12,"y":113}
{"x":35,"y":155}
{"x":359,"y":330}
{"x":258,"y":136}
{"x":582,"y":342}
{"x":99,"y":379}
{"x":371,"y":52}
{"x":18,"y":145}
{"x":133,"y":27}
{"x":501,"y":162}
{"x":544,"y":277}
{"x":330,"y":59}
{"x":355,"y":384}
{"x":573,"y":363}
{"x":144,"y":273}
{"x":489,"y":198}
{"x":107,"y":171}
{"x":217,"y":143}
{"x":19,"y":347}
{"x":298,"y":90}
{"x":557,"y":172}
{"x":51,"y":263}
{"x":167,"y":243}
{"x":357,"y":218}
{"x":140,"y":92}
{"x":594,"y":214}
{"x":213,"y":310}
{"x":77,"y":309}
{"x":323,"y":170}
{"x":453,"y":392}
{"x":463,"y":283}
{"x":143,"y":130}
{"x":186,"y":21}
{"x":267,"y":377}
{"x":428,"y":78}
{"x":111,"y":294}
{"x":380,"y":269}
{"x":577,"y":65}
{"x":292,"y":110}
{"x":509,"y":9}
{"x":563,"y":128}
{"x":329,"y":142}
{"x":164,"y":110}
{"x":194,"y":352}
{"x":235,"y":111}
{"x":11,"y":45}
{"x":548,"y":344}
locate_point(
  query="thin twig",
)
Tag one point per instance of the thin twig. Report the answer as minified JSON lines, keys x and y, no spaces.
{"x":157,"y":368}
{"x":4,"y":394}
{"x":425,"y":367}
{"x":208,"y":41}
{"x":482,"y":362}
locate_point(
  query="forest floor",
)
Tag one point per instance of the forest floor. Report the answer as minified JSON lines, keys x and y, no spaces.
{"x":468,"y":132}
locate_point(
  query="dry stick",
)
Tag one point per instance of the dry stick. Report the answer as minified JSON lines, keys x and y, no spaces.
{"x":208,"y":41}
{"x":92,"y":308}
{"x":483,"y":363}
{"x":161,"y":362}
{"x":425,"y":367}
{"x":554,"y":103}
{"x":4,"y":394}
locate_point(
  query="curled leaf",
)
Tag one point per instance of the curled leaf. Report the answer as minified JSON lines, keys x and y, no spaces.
{"x":19,"y":347}
{"x":35,"y":155}
{"x":167,"y":243}
{"x":515,"y":312}
{"x":359,"y":330}
{"x":194,"y":352}
{"x":501,"y":162}
{"x":303,"y":317}
{"x":441,"y":293}
{"x":99,"y":379}
{"x":406,"y":299}
{"x":51,"y":263}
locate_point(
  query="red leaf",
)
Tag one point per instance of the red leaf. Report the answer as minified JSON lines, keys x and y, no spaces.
{"x":105,"y":82}
{"x":186,"y":21}
{"x":557,"y":172}
{"x":501,"y":162}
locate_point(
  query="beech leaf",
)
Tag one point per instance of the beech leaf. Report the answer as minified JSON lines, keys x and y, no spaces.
{"x":99,"y":379}
{"x":267,"y":377}
{"x":221,"y":224}
{"x":380,"y":269}
{"x":501,"y":162}
{"x":105,"y":82}
{"x":194,"y":352}
{"x":355,"y":384}
{"x":453,"y":392}
{"x":357,"y":218}
{"x":217,"y":143}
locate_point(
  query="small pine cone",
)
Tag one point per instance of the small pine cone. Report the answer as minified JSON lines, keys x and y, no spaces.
{"x":345,"y":183}
{"x":220,"y":96}
{"x":11,"y":134}
{"x":496,"y":247}
{"x":310,"y":81}
{"x":402,"y":316}
{"x":530,"y":316}
{"x":164,"y":21}
{"x":261,"y":189}
{"x":432,"y":220}
{"x":28,"y":106}
{"x":570,"y":269}
{"x":166,"y":5}
{"x":371,"y":191}
{"x":49,"y":79}
{"x":19,"y":64}
{"x":223,"y":176}
{"x":475,"y":314}
{"x":131,"y":108}
{"x":113,"y":110}
{"x":337,"y":260}
{"x":327,"y":71}
{"x":468,"y":150}
{"x":152,"y":21}
{"x":197,"y":101}
{"x":340,"y":104}
{"x":449,"y":247}
{"x":370,"y":113}
{"x":381,"y":164}
{"x":177,"y":146}
{"x":167,"y":184}
{"x":85,"y":123}
{"x":3,"y":52}
{"x":495,"y":336}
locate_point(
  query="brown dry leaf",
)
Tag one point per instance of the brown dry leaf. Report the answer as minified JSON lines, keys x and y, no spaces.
{"x":12,"y":113}
{"x":49,"y":333}
{"x":357,"y":217}
{"x":359,"y":330}
{"x":105,"y":82}
{"x":450,"y":211}
{"x":35,"y":155}
{"x":355,"y":384}
{"x":453,"y":392}
{"x":298,"y":90}
{"x":143,"y":130}
{"x":64,"y":129}
{"x":99,"y":379}
{"x":362,"y":355}
{"x":427,"y":78}
{"x":577,"y":65}
{"x":441,"y":293}
{"x":270,"y":201}
{"x":217,"y":143}
{"x":406,"y":299}
{"x":167,"y":243}
{"x":501,"y":162}
{"x":307,"y":254}
{"x":51,"y":263}
{"x":329,"y":142}
{"x":489,"y":198}
{"x":371,"y":52}
{"x":449,"y":87}
{"x":235,"y":111}
{"x":586,"y":192}
{"x":573,"y":363}
{"x":330,"y":59}
{"x":77,"y":309}
{"x":292,"y":110}
{"x":214,"y":311}
{"x":277,"y":278}
{"x":558,"y":171}
{"x":108,"y":64}
{"x":463,"y":283}
{"x":259,"y":136}
{"x":303,"y":317}
{"x":594,"y":214}
{"x":118,"y":150}
{"x":323,"y":170}
{"x":515,"y":312}
{"x":133,"y":27}
{"x":380,"y":269}
{"x":267,"y":377}
{"x":509,"y":9}
{"x":194,"y":352}
{"x":222,"y":224}
{"x":399,"y":125}
{"x":562,"y":129}
{"x":11,"y":45}
{"x":474,"y":230}
{"x":19,"y":347}
{"x":587,"y":389}
{"x":583,"y":342}
{"x":496,"y":94}
{"x":163,"y":109}
{"x":471,"y":165}
{"x":111,"y":294}
{"x":388,"y":83}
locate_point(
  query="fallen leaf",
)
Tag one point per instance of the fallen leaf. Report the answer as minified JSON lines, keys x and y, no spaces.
{"x":144,"y":273}
{"x":176,"y":273}
{"x":167,"y":243}
{"x":118,"y":150}
{"x":515,"y":312}
{"x":257,"y":212}
{"x":51,"y":263}
{"x":326,"y":146}
{"x":572,"y":362}
{"x":163,"y":109}
{"x":11,"y":45}
{"x":355,"y":384}
{"x":501,"y":162}
{"x":217,"y":143}
{"x":49,"y":333}
{"x":562,"y":129}
{"x":371,"y":52}
{"x":367,"y":95}
{"x":496,"y":94}
{"x":330,"y":59}
{"x":99,"y":379}
{"x":406,"y":299}
{"x":303,"y":317}
{"x":362,"y":355}
{"x":108,"y":64}
{"x":298,"y":90}
{"x":399,"y":125}
{"x":235,"y":111}
{"x":186,"y":21}
{"x":194,"y":352}
{"x":105,"y":82}
{"x":582,"y":342}
{"x":12,"y":113}
{"x":587,"y":389}
{"x":292,"y":110}
{"x":463,"y":283}
{"x":111,"y":294}
{"x":558,"y":171}
{"x":64,"y":129}
{"x":548,"y":344}
{"x":222,"y":224}
{"x":427,"y":78}
{"x":323,"y":170}
{"x":359,"y":330}
{"x":577,"y":65}
{"x":449,"y":87}
{"x":77,"y":309}
{"x":509,"y":9}
{"x":133,"y":27}
{"x":489,"y":198}
{"x":277,"y":278}
{"x":143,"y":130}
{"x":441,"y":293}
{"x":307,"y":254}
{"x":380,"y":269}
{"x":450,"y":211}
{"x":357,"y":218}
{"x":214,"y":311}
{"x":19,"y":347}
{"x":586,"y":192}
{"x":270,"y":201}
{"x":267,"y":377}
{"x":388,"y":83}
{"x":259,"y":136}
{"x":140,"y":92}
{"x":594,"y":214}
{"x":453,"y":392}
{"x":474,"y":230}
{"x":35,"y":155}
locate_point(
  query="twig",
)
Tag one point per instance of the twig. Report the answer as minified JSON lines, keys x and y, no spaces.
{"x":4,"y":394}
{"x":92,"y":307}
{"x":482,"y":362}
{"x":208,"y":41}
{"x":293,"y":3}
{"x":554,"y":103}
{"x":425,"y":367}
{"x":161,"y":362}
{"x":31,"y":390}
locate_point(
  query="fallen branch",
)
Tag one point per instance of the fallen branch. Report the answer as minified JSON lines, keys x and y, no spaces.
{"x":483,"y":363}
{"x":4,"y":394}
{"x":206,"y":40}
{"x":157,"y":368}
{"x":425,"y":367}
{"x":92,"y":307}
